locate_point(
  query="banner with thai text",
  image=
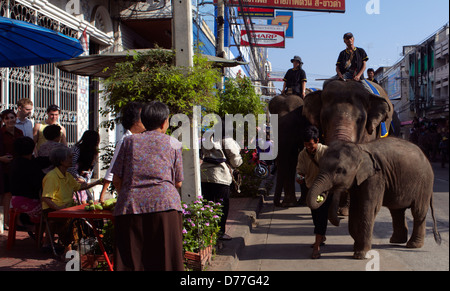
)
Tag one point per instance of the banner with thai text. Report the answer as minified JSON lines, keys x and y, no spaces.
{"x":305,"y":5}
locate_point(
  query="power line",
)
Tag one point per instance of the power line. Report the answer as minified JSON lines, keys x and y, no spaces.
{"x":258,"y":64}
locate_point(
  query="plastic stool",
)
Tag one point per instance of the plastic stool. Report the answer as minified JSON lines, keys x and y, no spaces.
{"x":13,"y":213}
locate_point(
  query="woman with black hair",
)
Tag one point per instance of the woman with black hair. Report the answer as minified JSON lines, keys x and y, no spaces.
{"x":147,"y":173}
{"x":85,"y":153}
{"x":26,"y":182}
{"x":9,"y":133}
{"x":131,"y":122}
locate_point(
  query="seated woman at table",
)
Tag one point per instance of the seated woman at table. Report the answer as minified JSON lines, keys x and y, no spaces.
{"x":26,"y":183}
{"x":57,"y":192}
{"x":147,"y":216}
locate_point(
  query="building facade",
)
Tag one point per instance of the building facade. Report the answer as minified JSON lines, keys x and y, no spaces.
{"x":45,"y":84}
{"x":103,"y":26}
{"x":417,"y":84}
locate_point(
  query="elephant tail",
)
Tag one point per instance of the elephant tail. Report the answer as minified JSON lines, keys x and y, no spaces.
{"x":437,"y":235}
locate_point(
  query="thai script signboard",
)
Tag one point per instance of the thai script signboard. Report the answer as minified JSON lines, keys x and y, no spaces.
{"x":305,"y":5}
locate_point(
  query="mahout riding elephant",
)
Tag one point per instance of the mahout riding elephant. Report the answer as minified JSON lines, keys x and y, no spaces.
{"x":348,"y":111}
{"x":387,"y":172}
{"x":291,"y":124}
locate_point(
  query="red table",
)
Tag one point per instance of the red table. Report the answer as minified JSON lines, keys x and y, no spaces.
{"x":79,"y":212}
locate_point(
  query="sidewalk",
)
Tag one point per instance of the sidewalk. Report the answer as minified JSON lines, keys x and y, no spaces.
{"x":24,"y":256}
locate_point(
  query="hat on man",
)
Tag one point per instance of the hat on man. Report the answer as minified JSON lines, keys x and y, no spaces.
{"x":297,"y":58}
{"x":348,"y":35}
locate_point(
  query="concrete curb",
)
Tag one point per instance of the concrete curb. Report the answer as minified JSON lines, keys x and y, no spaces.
{"x":242,"y":218}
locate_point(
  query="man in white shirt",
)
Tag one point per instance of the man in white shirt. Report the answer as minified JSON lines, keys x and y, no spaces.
{"x":23,"y":122}
{"x":308,"y":170}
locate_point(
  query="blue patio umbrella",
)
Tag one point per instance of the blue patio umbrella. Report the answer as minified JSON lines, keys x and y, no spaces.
{"x":25,"y":44}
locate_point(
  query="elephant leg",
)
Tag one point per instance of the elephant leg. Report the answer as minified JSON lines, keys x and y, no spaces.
{"x":278,"y":189}
{"x":400,"y":234}
{"x":362,"y":215}
{"x":419,"y":227}
{"x":289,"y":194}
{"x":289,"y":185}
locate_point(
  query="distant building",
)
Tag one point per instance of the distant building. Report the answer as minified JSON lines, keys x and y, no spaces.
{"x":417,"y":84}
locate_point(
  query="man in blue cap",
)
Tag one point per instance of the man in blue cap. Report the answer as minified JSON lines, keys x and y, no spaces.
{"x":295,"y":79}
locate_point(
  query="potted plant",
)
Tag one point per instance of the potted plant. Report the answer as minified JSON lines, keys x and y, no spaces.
{"x":200,"y":228}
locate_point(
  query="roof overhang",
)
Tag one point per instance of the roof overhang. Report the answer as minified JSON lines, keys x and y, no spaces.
{"x":97,"y":65}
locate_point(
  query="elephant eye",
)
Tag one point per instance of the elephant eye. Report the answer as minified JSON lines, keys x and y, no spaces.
{"x":341,"y":171}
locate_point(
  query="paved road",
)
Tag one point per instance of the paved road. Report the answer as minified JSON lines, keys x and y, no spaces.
{"x":283,"y":238}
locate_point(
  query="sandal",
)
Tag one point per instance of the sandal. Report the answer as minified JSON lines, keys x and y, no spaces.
{"x":315,"y":254}
{"x":322,"y":243}
{"x":225,"y":237}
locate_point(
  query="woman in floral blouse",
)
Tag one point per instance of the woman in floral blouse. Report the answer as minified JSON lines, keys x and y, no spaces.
{"x":148,"y":219}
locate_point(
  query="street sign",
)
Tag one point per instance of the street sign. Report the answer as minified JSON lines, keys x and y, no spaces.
{"x":285,"y":18}
{"x":264,"y":36}
{"x":276,"y":76}
{"x":304,"y":5}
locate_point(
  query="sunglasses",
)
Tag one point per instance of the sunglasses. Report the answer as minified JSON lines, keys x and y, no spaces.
{"x":53,"y":108}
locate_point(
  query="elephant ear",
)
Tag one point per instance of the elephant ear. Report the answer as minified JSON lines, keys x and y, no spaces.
{"x":312,"y":105}
{"x":367,"y":167}
{"x":380,"y":110}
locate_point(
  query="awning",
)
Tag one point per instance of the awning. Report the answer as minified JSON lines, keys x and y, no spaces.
{"x":25,"y":44}
{"x":95,"y":65}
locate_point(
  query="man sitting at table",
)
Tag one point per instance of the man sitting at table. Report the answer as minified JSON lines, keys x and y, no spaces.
{"x":57,"y":192}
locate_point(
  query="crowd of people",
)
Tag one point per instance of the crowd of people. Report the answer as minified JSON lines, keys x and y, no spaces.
{"x":432,"y":139}
{"x":40,"y":173}
{"x":34,"y":165}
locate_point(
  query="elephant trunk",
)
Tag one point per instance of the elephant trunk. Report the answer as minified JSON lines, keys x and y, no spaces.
{"x":333,"y":210}
{"x":318,"y":193}
{"x":342,"y":128}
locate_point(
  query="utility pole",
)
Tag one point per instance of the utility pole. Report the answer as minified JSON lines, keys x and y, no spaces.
{"x":182,"y":32}
{"x":183,"y":44}
{"x":220,"y":51}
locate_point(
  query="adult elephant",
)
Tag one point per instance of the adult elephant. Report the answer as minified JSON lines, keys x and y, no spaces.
{"x":349,"y":111}
{"x":291,"y":123}
{"x":387,"y":172}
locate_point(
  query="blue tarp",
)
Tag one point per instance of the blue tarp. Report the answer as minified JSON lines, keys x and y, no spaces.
{"x":25,"y":44}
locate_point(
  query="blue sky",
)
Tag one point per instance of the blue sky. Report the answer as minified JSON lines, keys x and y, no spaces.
{"x":318,"y":35}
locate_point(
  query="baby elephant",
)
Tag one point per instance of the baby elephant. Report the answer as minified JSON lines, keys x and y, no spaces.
{"x":387,"y":172}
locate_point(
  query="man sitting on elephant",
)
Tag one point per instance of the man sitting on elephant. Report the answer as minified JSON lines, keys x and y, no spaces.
{"x":295,"y":79}
{"x":351,"y":62}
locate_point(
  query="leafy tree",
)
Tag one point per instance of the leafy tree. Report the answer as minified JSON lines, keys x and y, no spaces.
{"x":239,"y":96}
{"x":153,"y":76}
